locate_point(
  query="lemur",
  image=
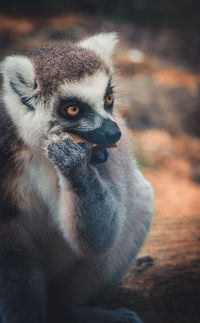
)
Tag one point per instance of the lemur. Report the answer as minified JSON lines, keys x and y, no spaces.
{"x":73,"y":215}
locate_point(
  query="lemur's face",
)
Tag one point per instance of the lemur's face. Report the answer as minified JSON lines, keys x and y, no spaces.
{"x":65,"y":88}
{"x":86,"y":108}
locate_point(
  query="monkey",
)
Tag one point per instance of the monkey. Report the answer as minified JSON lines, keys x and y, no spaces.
{"x":73,"y":214}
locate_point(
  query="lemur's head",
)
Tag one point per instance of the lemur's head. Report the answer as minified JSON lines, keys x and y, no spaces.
{"x":63,"y":88}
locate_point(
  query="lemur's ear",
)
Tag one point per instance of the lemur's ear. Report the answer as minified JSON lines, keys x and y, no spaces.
{"x":102,"y":44}
{"x":18,"y":74}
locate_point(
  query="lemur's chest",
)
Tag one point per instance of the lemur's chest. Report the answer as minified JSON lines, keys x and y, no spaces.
{"x":41,"y":217}
{"x":40,"y":181}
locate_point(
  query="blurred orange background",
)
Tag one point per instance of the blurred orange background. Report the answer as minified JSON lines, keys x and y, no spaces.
{"x":158,"y":86}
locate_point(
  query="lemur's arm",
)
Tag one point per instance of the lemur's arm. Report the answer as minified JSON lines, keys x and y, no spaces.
{"x":89,"y":206}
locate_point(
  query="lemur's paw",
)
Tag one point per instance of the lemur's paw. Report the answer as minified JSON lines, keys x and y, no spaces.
{"x":66,"y":154}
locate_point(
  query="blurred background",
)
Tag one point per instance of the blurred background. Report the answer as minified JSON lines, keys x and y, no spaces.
{"x":158,"y":66}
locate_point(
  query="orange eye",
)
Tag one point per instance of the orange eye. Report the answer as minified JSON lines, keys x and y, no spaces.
{"x":73,"y":110}
{"x":109,"y":99}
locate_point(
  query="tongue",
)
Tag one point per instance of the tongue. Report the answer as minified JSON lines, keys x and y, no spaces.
{"x":99,"y":152}
{"x":99,"y":155}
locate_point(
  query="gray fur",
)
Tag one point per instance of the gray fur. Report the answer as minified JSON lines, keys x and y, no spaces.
{"x":101,"y":219}
{"x":79,"y":223}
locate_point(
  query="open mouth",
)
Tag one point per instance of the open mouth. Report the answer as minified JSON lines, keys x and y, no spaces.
{"x":100,"y":153}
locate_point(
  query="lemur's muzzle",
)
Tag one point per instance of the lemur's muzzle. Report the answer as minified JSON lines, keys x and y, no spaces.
{"x":107,"y":134}
{"x":104,"y":136}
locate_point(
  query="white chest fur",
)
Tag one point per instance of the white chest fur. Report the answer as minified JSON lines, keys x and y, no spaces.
{"x":41,"y":216}
{"x":40,"y":179}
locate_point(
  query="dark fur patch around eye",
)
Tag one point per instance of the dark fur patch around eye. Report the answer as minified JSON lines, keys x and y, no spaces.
{"x":66,"y":102}
{"x":109,"y":90}
{"x":82,"y":122}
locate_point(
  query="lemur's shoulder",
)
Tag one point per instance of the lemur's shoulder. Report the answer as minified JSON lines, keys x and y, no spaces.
{"x":10,"y":145}
{"x":8,"y":132}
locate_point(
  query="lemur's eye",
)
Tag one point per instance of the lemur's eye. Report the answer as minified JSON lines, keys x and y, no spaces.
{"x":72,"y":110}
{"x":109,"y":99}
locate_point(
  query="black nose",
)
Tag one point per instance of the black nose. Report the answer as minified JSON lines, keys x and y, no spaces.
{"x":107,"y":134}
{"x":111,"y":131}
